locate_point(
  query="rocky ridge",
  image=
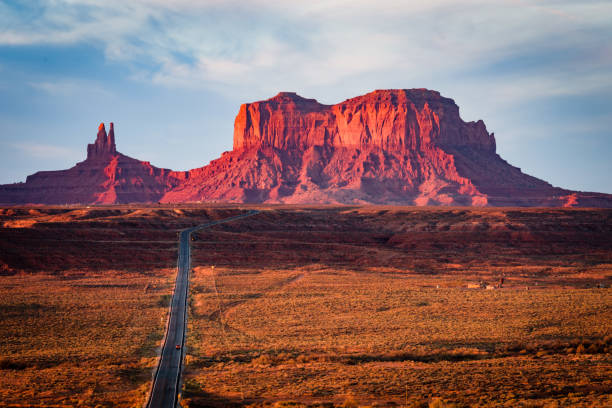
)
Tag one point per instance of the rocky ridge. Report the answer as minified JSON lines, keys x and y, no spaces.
{"x":104,"y":177}
{"x":405,"y":147}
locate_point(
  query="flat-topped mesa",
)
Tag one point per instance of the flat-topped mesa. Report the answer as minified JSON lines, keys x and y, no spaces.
{"x":395,"y":119}
{"x":104,"y":145}
{"x":404,"y":147}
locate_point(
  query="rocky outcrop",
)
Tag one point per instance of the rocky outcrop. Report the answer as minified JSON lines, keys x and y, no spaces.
{"x":105,"y":177}
{"x":407,"y":147}
{"x":104,"y":146}
{"x":393,"y":120}
{"x":386,"y":147}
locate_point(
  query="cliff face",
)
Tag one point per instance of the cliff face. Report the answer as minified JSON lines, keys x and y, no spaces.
{"x":406,"y":147}
{"x":104,"y":146}
{"x":393,"y":120}
{"x":388,"y":147}
{"x":105,"y":177}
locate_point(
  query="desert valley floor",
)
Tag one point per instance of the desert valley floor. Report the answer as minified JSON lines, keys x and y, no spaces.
{"x":310,"y":306}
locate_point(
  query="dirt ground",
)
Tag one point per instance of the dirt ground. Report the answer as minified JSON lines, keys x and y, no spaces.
{"x":84,"y":295}
{"x":80,"y":340}
{"x":370,"y":306}
{"x":319,"y":305}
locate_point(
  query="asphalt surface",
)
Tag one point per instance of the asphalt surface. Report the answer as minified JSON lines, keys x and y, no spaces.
{"x":166,"y":383}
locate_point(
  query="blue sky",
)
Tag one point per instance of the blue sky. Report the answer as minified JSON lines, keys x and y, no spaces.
{"x":171,"y":75}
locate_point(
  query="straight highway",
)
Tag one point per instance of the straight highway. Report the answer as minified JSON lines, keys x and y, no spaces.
{"x":166,"y":382}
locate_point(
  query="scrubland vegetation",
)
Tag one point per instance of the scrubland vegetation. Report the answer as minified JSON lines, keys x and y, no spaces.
{"x":310,"y":306}
{"x":80,"y":339}
{"x":323,"y":336}
{"x":83,"y":301}
{"x":366,"y":307}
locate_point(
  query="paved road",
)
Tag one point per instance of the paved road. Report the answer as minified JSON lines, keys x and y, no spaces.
{"x":166,"y":383}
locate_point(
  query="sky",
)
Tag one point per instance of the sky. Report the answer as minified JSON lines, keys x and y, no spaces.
{"x":171,"y":75}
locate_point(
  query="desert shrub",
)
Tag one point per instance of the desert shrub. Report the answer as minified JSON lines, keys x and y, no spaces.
{"x":191,"y":386}
{"x":350,"y":402}
{"x":264,"y":359}
{"x":10,"y":364}
{"x":440,"y":403}
{"x":281,"y":357}
{"x":164,"y":301}
{"x":302,"y":358}
{"x":415,"y":403}
{"x":593,"y":349}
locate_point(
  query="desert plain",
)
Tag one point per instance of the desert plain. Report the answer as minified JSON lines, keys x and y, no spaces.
{"x":310,"y":305}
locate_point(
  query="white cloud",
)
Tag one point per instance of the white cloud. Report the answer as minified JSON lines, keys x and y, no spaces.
{"x":271,"y":45}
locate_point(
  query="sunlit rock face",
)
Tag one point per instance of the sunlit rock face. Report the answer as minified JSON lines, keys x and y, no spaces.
{"x":104,"y":146}
{"x":407,"y":146}
{"x":393,"y":120}
{"x":400,"y":146}
{"x":105,"y":177}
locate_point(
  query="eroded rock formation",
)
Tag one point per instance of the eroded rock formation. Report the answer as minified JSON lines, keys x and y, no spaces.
{"x":406,"y":147}
{"x":387,"y":147}
{"x":104,"y":145}
{"x":105,"y":177}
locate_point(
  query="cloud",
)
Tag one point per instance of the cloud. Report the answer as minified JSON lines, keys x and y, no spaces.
{"x":261,"y":46}
{"x":317,"y":42}
{"x":509,"y":62}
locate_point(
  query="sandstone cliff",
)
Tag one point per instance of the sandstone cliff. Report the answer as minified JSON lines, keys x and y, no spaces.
{"x":407,"y":147}
{"x":387,"y":147}
{"x":393,"y":120}
{"x":105,"y":177}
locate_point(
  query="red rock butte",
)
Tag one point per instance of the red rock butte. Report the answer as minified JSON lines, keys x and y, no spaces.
{"x":393,"y":120}
{"x":404,"y":147}
{"x":104,"y":177}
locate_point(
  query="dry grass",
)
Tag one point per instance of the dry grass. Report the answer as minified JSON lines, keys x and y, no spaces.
{"x":80,"y":340}
{"x":319,"y":306}
{"x":83,"y":300}
{"x":329,"y":334}
{"x":370,"y":307}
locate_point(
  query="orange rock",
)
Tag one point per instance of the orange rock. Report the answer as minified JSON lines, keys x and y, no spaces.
{"x":407,"y":147}
{"x":393,"y":120}
{"x":105,"y":177}
{"x":387,"y":147}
